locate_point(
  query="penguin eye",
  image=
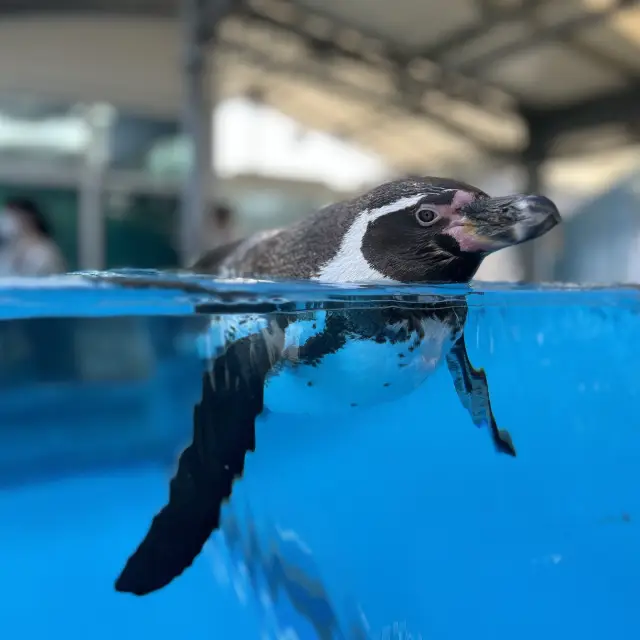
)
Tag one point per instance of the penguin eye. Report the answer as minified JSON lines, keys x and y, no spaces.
{"x":426,"y":215}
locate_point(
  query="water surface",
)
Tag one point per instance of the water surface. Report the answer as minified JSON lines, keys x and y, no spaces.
{"x":394,"y":520}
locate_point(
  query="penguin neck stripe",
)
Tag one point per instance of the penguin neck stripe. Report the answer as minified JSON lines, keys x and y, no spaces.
{"x":349,"y":263}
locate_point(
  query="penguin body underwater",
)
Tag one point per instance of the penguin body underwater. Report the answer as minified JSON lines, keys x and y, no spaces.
{"x":378,"y":355}
{"x":427,"y":230}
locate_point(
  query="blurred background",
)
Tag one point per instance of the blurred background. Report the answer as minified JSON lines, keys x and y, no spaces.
{"x":136,"y":133}
{"x":146,"y":130}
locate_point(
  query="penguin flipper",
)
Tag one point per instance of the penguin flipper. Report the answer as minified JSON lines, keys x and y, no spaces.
{"x":223,"y":432}
{"x":473,"y":391}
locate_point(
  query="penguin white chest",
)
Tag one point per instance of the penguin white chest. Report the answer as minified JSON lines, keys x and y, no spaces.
{"x":361,"y":373}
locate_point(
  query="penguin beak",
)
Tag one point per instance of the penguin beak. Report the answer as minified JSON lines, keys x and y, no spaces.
{"x":490,"y":224}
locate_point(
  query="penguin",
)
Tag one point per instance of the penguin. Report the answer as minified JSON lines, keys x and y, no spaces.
{"x":420,"y":230}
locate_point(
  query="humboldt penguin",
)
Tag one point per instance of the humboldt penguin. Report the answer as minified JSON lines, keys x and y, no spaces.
{"x":427,"y":230}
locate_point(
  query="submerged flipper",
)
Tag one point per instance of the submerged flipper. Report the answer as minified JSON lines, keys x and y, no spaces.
{"x":223,"y":432}
{"x":473,"y":391}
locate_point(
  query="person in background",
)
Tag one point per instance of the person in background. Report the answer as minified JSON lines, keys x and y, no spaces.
{"x":27,"y":247}
{"x":221,"y":225}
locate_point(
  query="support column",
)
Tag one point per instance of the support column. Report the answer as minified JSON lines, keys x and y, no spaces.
{"x":201,"y":19}
{"x":533,"y":160}
{"x":528,"y":251}
{"x":91,"y":231}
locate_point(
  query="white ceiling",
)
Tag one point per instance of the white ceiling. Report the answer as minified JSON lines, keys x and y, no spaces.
{"x":129,"y":54}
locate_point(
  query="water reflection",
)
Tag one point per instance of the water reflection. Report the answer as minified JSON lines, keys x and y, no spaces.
{"x":285,"y":582}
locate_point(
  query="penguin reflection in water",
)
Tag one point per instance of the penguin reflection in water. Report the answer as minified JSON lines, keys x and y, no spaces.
{"x":427,"y":230}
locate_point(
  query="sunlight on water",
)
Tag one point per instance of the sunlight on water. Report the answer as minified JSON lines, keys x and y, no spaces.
{"x":372,"y":507}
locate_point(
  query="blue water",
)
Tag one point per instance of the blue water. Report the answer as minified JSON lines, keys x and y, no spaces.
{"x":396,"y":520}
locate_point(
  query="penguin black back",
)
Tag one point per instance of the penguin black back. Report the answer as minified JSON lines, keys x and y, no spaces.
{"x":411,"y":230}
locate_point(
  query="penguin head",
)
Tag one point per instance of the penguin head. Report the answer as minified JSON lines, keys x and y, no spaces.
{"x":439,"y":230}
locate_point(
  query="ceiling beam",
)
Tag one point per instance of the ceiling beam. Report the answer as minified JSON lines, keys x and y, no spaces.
{"x":492,"y":16}
{"x":543,"y":35}
{"x":373,"y":51}
{"x":595,"y":55}
{"x":619,"y":106}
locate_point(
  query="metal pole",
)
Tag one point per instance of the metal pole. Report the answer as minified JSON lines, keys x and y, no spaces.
{"x":528,"y":250}
{"x":91,"y":234}
{"x":533,"y":159}
{"x":197,"y":118}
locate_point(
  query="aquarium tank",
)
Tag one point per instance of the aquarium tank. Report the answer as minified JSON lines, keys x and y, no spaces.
{"x":371,"y":499}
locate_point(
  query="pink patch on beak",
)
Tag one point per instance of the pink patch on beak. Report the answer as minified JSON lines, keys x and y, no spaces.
{"x":463,"y":231}
{"x":468,"y":241}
